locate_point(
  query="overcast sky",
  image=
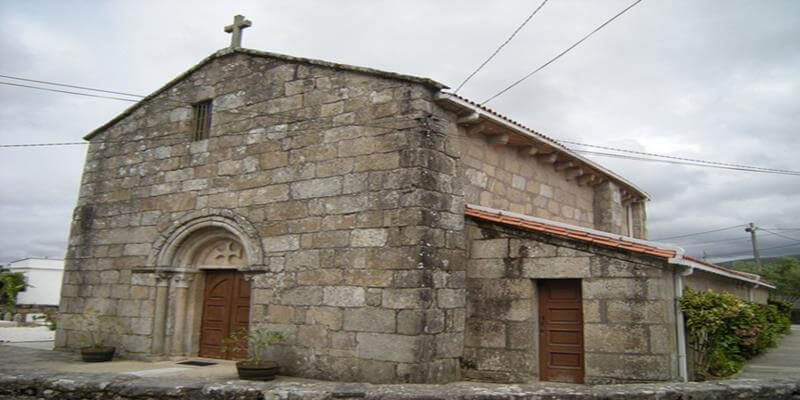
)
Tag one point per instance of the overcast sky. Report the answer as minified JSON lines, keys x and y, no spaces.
{"x":715,"y":80}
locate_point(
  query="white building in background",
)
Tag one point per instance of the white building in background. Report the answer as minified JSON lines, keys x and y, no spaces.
{"x":43,"y":275}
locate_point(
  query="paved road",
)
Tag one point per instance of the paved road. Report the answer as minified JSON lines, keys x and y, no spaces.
{"x":780,"y":362}
{"x":26,"y":370}
{"x":26,"y":334}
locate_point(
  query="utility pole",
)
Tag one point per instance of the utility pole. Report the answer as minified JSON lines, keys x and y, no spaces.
{"x":752,"y":229}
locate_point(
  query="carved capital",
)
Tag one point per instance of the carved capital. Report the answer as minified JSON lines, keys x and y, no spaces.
{"x":163,"y":277}
{"x":183,"y":279}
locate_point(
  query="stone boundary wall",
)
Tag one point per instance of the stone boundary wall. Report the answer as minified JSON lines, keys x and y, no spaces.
{"x":46,"y":385}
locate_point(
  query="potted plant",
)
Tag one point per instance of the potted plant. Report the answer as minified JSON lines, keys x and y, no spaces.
{"x":253,"y":345}
{"x":98,"y":329}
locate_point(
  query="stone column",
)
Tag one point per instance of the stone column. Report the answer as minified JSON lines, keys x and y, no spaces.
{"x":160,"y":317}
{"x":250,"y":276}
{"x":181,"y":283}
{"x":608,"y":210}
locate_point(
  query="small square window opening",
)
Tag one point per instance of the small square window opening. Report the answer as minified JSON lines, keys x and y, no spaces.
{"x":202,"y":120}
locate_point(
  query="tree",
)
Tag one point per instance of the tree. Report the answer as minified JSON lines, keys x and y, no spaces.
{"x":10,"y":284}
{"x":784,"y":273}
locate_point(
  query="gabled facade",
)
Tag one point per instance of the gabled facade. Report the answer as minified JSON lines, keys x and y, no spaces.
{"x":328,"y":202}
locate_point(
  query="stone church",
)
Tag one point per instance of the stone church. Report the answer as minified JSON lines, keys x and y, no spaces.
{"x":394,"y":231}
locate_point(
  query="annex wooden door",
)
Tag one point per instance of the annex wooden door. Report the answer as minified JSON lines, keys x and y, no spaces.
{"x":226,"y":308}
{"x":560,"y":330}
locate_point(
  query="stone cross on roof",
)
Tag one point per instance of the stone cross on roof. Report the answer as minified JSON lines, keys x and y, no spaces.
{"x":239,"y":23}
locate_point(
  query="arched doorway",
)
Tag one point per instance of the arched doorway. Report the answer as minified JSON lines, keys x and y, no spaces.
{"x":208,"y":295}
{"x":226,"y":309}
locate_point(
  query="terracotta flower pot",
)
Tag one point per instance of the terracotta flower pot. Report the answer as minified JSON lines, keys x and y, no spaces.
{"x":97,"y":354}
{"x":257,"y":371}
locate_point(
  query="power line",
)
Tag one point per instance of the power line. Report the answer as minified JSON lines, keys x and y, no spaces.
{"x":782,"y":247}
{"x":501,"y":46}
{"x":737,"y":239}
{"x":44,"y":144}
{"x":562,"y":53}
{"x":675,"y":158}
{"x":68,"y":92}
{"x":796,"y":242}
{"x":580,"y":151}
{"x":780,"y":234}
{"x":768,"y":248}
{"x":715,"y":241}
{"x":70,"y":86}
{"x":701,"y":233}
{"x":171,"y":138}
{"x":625,"y":157}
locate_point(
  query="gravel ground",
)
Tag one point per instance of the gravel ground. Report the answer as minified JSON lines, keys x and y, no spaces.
{"x":25,"y":334}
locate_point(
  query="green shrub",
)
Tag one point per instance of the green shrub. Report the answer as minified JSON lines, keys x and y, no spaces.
{"x":11,"y":283}
{"x":724,"y":331}
{"x":784,"y":314}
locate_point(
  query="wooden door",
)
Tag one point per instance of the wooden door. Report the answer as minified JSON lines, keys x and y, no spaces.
{"x":226,"y":308}
{"x":560,"y":330}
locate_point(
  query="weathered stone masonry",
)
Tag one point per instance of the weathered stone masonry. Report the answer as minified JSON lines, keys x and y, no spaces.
{"x":628,"y":300}
{"x":339,"y":193}
{"x":356,"y":250}
{"x":499,"y":177}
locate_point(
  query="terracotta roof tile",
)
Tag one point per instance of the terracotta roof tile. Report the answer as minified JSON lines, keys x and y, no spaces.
{"x":570,"y":233}
{"x":721,"y":268}
{"x":613,"y":241}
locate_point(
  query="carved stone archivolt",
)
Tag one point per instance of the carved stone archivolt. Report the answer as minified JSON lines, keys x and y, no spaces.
{"x":181,"y":245}
{"x":221,"y":253}
{"x":210,"y":248}
{"x":179,"y":262}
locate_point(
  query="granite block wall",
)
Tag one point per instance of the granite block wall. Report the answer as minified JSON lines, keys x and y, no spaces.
{"x":628,"y":300}
{"x":343,"y":200}
{"x":500,"y":177}
{"x":340,"y":195}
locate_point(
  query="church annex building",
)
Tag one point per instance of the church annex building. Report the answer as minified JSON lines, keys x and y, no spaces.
{"x":395,"y":232}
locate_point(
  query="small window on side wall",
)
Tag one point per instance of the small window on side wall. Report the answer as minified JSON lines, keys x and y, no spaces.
{"x":202,"y":119}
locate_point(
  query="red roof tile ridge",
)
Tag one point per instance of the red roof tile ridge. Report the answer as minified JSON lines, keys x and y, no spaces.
{"x":719,"y":267}
{"x":672,"y":254}
{"x":524,"y":221}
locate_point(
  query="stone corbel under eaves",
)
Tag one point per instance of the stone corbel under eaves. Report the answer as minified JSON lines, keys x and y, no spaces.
{"x":475,"y":125}
{"x":478,"y":120}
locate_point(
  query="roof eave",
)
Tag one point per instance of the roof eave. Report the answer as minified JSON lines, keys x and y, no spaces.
{"x":663,"y":246}
{"x":531,"y":134}
{"x":128,"y":111}
{"x":688,"y":262}
{"x":679,"y":257}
